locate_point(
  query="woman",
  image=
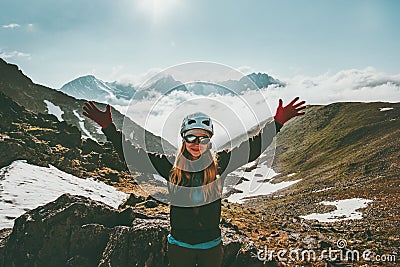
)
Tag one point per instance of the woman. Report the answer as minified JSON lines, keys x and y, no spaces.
{"x":195,"y":236}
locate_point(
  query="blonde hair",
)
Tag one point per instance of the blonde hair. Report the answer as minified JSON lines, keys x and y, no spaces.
{"x":178,"y":176}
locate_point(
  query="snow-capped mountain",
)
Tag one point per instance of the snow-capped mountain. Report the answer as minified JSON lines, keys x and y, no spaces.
{"x":263,"y":80}
{"x":163,"y":85}
{"x":121,"y":90}
{"x":90,"y":88}
{"x":252,"y":81}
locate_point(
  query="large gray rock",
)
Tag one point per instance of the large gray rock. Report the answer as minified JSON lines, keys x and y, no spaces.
{"x":62,"y":231}
{"x":78,"y":231}
{"x":143,"y":244}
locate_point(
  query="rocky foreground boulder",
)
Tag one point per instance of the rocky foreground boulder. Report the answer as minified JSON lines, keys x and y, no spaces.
{"x":77,"y":231}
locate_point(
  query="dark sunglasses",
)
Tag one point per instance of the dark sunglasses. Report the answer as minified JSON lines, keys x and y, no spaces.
{"x":190,"y":138}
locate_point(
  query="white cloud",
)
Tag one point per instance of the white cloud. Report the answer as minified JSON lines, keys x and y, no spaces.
{"x":13,"y":54}
{"x":11,"y":26}
{"x":31,"y":27}
{"x":138,"y":80}
{"x":233,"y":114}
{"x":246,"y":70}
{"x":367,"y":85}
{"x":114,"y":72}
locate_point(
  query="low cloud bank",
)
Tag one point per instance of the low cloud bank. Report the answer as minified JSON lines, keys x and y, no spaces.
{"x":233,"y":115}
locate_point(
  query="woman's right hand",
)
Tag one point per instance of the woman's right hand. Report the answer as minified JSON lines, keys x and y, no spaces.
{"x":285,"y":113}
{"x":102,"y":118}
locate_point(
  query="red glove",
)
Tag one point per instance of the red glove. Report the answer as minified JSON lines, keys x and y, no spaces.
{"x":283,"y":114}
{"x":102,"y":118}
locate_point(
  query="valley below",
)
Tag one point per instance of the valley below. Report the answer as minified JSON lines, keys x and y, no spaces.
{"x":331,"y":182}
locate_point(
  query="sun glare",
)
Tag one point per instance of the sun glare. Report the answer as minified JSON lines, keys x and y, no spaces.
{"x":157,"y":10}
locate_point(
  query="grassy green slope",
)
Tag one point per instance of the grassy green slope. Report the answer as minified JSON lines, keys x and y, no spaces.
{"x":347,"y":150}
{"x":341,"y":139}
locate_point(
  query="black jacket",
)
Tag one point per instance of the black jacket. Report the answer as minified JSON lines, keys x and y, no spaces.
{"x":199,"y":224}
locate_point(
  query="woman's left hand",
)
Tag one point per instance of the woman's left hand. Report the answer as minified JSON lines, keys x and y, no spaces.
{"x":285,"y":113}
{"x":101,"y":117}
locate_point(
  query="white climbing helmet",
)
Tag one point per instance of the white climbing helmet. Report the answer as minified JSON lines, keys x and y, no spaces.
{"x":197,"y":120}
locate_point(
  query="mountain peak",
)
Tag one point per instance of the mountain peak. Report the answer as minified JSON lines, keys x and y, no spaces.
{"x":10,"y":73}
{"x":85,"y":78}
{"x":91,"y":88}
{"x":263,"y":80}
{"x":89,"y":76}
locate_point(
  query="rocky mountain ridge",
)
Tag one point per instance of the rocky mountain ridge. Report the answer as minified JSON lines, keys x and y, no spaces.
{"x":35,"y":98}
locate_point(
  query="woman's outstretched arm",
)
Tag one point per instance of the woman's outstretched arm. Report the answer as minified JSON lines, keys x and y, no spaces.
{"x":251,"y":149}
{"x":136,"y":157}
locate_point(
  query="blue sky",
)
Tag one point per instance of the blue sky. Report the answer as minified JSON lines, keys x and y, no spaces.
{"x":56,"y":41}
